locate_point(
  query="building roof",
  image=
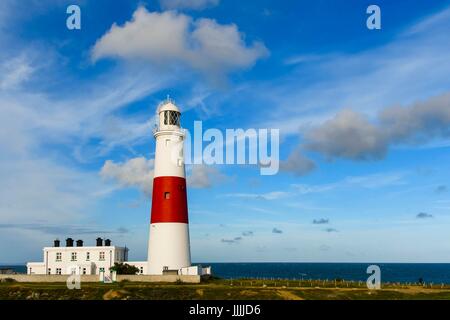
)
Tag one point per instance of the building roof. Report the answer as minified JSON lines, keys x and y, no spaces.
{"x":86,"y":247}
{"x":167,"y":105}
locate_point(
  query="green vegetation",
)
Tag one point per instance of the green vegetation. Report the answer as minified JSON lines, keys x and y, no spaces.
{"x":124,"y":268}
{"x":224,"y":290}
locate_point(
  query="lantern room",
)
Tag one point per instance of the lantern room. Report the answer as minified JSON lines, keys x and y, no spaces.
{"x":169,"y":116}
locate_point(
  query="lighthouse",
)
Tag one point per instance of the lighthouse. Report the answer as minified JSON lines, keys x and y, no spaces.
{"x":168,"y":247}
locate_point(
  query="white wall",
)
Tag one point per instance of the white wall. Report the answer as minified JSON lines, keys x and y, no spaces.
{"x":82,"y":264}
{"x":168,"y":246}
{"x":141,"y":265}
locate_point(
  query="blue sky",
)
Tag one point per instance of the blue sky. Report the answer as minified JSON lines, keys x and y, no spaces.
{"x":364,"y":120}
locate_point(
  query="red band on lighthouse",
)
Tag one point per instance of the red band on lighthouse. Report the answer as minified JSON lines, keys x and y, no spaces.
{"x":169,"y":201}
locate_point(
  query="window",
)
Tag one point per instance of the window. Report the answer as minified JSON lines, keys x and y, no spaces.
{"x":167,"y":142}
{"x":74,"y":256}
{"x":88,"y":256}
{"x":167,"y":195}
{"x":58,"y":270}
{"x":101,"y":256}
{"x":174,"y":118}
{"x":84,"y":270}
{"x":142,"y":270}
{"x":58,"y":256}
{"x":102,"y":270}
{"x":49,"y":271}
{"x":180,"y":162}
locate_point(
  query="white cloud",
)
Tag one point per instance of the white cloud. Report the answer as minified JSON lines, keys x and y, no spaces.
{"x":136,"y":172}
{"x":273,"y":195}
{"x":370,"y":181}
{"x":74,"y":119}
{"x":348,"y":135}
{"x":37,"y":189}
{"x":419,"y":122}
{"x":188,"y":4}
{"x":204,"y":176}
{"x":351,"y":135}
{"x":171,"y":38}
{"x":14,"y":71}
{"x":297,"y":163}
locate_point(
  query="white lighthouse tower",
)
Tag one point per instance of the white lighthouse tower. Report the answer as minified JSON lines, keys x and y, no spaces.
{"x":169,"y":247}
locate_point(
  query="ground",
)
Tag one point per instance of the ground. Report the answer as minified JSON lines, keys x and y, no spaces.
{"x":223,"y":290}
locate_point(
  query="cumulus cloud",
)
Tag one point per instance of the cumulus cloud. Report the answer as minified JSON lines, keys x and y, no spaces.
{"x":297,"y":163}
{"x":187,"y":4}
{"x":172,"y":38}
{"x":275,"y":230}
{"x":320,"y":221}
{"x":348,"y":135}
{"x":424,"y":215}
{"x":420,"y":122}
{"x":351,"y":135}
{"x":136,"y":172}
{"x":203,"y":176}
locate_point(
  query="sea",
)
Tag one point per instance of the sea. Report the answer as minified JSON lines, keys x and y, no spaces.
{"x":390,"y":272}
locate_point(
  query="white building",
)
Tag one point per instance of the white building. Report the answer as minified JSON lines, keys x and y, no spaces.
{"x":79,"y":259}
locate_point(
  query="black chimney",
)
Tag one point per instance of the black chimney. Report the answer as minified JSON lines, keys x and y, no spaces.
{"x":79,"y":243}
{"x":56,"y":243}
{"x":107,"y":242}
{"x":69,"y":242}
{"x":99,"y":242}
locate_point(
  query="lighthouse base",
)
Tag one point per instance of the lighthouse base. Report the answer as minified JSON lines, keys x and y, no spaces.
{"x":168,"y":248}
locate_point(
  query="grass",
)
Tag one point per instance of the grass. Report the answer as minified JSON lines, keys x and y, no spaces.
{"x":217,"y":289}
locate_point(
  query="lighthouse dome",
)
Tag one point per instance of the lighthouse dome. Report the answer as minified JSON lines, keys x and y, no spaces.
{"x":168,"y":105}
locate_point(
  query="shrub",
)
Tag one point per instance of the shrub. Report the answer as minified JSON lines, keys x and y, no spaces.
{"x":124,"y":268}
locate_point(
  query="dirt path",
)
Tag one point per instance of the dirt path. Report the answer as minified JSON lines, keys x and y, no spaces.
{"x":287,"y":295}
